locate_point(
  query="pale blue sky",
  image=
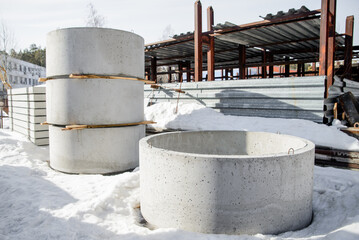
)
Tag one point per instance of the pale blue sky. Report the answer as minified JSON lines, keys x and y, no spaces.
{"x":30,"y":21}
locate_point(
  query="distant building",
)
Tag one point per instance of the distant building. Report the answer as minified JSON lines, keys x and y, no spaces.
{"x":21,"y":73}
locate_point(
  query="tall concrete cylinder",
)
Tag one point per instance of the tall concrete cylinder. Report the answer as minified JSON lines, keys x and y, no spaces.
{"x":94,"y":101}
{"x":227,"y":182}
{"x":97,"y":150}
{"x":99,"y":51}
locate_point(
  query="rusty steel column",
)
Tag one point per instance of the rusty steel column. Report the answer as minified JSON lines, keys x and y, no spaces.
{"x":188,"y":70}
{"x":286,"y":67}
{"x":299,"y":69}
{"x":242,"y":61}
{"x":210,"y":52}
{"x":270,"y":60}
{"x":323,"y":42}
{"x":169,"y":74}
{"x":198,"y":58}
{"x":264,"y":61}
{"x":327,"y":42}
{"x":154,"y":69}
{"x":180,"y":71}
{"x":348,"y":53}
{"x":331,"y":44}
{"x":303,"y":69}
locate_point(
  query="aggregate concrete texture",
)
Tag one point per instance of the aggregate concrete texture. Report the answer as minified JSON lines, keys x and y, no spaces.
{"x":99,"y":51}
{"x":99,"y":101}
{"x":96,"y":150}
{"x":94,"y":101}
{"x":227,"y":182}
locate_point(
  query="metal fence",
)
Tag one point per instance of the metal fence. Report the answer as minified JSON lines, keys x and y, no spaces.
{"x":295,"y":97}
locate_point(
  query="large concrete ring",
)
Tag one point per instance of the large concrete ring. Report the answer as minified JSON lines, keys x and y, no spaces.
{"x":227,"y":182}
{"x":94,"y":101}
{"x":96,"y":150}
{"x":99,"y":51}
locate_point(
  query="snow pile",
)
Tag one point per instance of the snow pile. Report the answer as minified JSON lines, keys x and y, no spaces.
{"x":40,"y":203}
{"x":197,"y":117}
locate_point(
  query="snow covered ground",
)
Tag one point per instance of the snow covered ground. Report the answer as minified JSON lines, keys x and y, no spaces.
{"x":37,"y":202}
{"x":198,"y":117}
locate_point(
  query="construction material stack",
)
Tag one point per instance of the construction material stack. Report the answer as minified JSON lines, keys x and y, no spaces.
{"x":27,"y":110}
{"x":94,"y":99}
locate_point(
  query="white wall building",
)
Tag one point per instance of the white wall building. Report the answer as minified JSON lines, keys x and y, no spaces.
{"x":21,"y":73}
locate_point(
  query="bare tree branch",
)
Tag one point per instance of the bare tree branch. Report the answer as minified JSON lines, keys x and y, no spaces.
{"x":167,"y":33}
{"x":7,"y":40}
{"x":93,"y":18}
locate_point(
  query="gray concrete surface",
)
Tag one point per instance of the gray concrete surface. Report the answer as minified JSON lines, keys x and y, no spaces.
{"x":98,"y":150}
{"x":99,"y":101}
{"x":292,"y":97}
{"x":98,"y":51}
{"x":228,"y":182}
{"x":94,"y":101}
{"x":27,"y":109}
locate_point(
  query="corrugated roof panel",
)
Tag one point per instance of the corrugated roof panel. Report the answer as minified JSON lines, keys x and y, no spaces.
{"x":296,"y":39}
{"x":285,"y":98}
